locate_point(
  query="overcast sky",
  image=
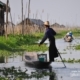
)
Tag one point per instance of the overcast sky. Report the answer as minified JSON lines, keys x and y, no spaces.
{"x":65,"y":12}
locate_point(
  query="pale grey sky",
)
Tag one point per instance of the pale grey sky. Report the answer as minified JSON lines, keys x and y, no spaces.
{"x":65,"y":12}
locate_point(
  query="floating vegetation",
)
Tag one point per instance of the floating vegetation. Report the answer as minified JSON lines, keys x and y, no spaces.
{"x":70,"y":47}
{"x":70,"y":60}
{"x":63,"y":52}
{"x":64,"y":49}
{"x":17,"y":74}
{"x":77,"y":47}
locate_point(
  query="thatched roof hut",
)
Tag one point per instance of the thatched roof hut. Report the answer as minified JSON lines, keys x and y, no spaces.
{"x":3,"y":6}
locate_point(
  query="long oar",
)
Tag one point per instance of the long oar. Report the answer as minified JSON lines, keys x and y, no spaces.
{"x":62,"y":59}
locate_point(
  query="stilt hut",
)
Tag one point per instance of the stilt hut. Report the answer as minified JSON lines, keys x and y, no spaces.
{"x":2,"y":20}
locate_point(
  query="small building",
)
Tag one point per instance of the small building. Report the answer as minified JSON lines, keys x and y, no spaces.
{"x":2,"y":21}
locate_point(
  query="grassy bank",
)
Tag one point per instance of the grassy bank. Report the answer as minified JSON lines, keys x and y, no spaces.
{"x":19,"y":43}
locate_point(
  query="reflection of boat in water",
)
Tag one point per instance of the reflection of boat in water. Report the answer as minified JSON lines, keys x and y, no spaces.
{"x":53,"y":75}
{"x":31,"y":59}
{"x":68,"y":39}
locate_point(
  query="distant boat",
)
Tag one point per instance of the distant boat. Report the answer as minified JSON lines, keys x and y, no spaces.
{"x":31,"y":59}
{"x":68,"y":39}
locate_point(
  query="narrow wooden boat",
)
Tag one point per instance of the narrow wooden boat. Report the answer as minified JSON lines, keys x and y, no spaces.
{"x":31,"y":59}
{"x":68,"y":39}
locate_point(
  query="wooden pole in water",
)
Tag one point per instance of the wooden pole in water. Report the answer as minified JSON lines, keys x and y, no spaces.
{"x":11,"y":20}
{"x":62,"y":59}
{"x":25,"y":18}
{"x":22,"y":18}
{"x":6,"y":59}
{"x":6,"y":18}
{"x":28,"y":11}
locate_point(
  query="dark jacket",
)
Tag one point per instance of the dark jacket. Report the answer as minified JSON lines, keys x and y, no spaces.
{"x":50,"y":33}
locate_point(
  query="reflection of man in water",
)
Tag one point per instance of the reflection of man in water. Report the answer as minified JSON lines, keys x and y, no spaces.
{"x":50,"y":33}
{"x":53,"y":75}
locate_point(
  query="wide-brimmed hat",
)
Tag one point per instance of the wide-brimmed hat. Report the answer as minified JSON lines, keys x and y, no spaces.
{"x":46,"y":23}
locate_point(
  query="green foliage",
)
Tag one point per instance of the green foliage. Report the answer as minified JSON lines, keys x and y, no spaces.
{"x":13,"y":73}
{"x":70,"y":60}
{"x":19,"y":43}
{"x":34,"y":47}
{"x":76,"y":32}
{"x":61,"y":34}
{"x":77,"y":47}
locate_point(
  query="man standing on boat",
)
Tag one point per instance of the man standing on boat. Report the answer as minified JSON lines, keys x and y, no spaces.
{"x":50,"y":33}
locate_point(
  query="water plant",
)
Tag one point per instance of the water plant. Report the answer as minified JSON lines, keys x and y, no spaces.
{"x":13,"y":73}
{"x":77,"y":47}
{"x":70,"y":60}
